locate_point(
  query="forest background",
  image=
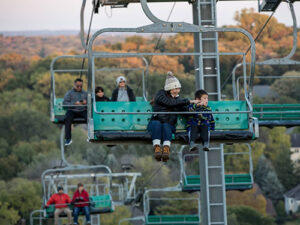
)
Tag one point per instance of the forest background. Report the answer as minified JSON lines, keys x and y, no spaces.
{"x":29,"y":142}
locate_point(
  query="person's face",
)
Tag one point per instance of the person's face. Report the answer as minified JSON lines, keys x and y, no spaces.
{"x":60,"y":191}
{"x":204,"y":99}
{"x":174,"y":92}
{"x":80,"y":188}
{"x":78,"y":86}
{"x":122,"y":83}
{"x":100,"y":94}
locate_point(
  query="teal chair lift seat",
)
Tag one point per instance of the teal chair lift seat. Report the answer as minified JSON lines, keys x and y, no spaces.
{"x":98,"y":204}
{"x":232,"y":181}
{"x":59,"y":113}
{"x":277,"y":114}
{"x":172,"y":219}
{"x":133,"y":128}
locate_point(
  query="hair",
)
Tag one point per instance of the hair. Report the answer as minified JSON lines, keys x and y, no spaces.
{"x":200,"y":93}
{"x":78,"y":80}
{"x":60,"y":188}
{"x":97,"y":89}
{"x":80,"y":185}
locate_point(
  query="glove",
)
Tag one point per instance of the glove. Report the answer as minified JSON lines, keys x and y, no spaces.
{"x":81,"y":198}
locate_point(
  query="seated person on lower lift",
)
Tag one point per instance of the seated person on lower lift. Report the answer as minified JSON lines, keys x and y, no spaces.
{"x":200,"y":123}
{"x":81,"y":203}
{"x":99,"y":93}
{"x":76,"y":96}
{"x":61,"y":201}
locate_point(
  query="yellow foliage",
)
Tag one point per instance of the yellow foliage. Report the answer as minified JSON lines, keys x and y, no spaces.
{"x":250,"y":198}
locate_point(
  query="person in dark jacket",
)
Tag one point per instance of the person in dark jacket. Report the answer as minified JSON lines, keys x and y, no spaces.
{"x":200,"y":123}
{"x":81,"y":203}
{"x":99,"y":93}
{"x":76,"y":98}
{"x":161,"y":126}
{"x":61,"y":201}
{"x":123,"y":93}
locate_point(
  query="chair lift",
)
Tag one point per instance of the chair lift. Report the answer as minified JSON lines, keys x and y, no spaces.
{"x":116,"y":122}
{"x":58,"y":110}
{"x":100,"y":199}
{"x":163,"y":219}
{"x":190,"y":178}
{"x":271,"y":115}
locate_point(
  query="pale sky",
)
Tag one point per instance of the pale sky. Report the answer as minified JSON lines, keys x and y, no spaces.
{"x":22,"y":15}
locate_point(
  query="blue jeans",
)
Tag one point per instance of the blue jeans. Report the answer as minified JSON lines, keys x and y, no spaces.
{"x":161,"y":131}
{"x":86,"y":211}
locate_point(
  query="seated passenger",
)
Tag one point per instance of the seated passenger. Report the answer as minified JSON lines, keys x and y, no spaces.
{"x":81,"y":203}
{"x":100,"y":97}
{"x":78,"y":97}
{"x":200,"y":123}
{"x":123,"y":93}
{"x":61,"y":201}
{"x":161,"y":126}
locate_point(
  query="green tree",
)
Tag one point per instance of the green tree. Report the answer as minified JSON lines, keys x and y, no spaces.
{"x":7,"y":215}
{"x":247,"y":216}
{"x":114,"y":218}
{"x":285,"y":170}
{"x":21,"y":195}
{"x":26,"y":125}
{"x":276,"y":141}
{"x":287,"y":88}
{"x":266,"y":177}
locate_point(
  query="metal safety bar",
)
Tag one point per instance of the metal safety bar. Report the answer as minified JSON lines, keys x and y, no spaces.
{"x":72,"y":168}
{"x":182,"y":158}
{"x":142,"y":218}
{"x":158,"y":26}
{"x":177,"y":188}
{"x":145,"y":72}
{"x":174,"y":54}
{"x":40,"y":217}
{"x":250,"y":162}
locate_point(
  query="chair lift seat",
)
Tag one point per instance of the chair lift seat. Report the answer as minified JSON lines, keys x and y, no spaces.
{"x":112,"y":129}
{"x":275,"y":114}
{"x":172,"y":219}
{"x":98,"y":204}
{"x":239,"y":182}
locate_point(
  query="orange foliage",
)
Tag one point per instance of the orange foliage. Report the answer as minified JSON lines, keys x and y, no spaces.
{"x":161,"y":64}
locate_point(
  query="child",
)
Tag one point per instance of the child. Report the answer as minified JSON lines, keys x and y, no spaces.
{"x":200,"y":123}
{"x":100,"y":97}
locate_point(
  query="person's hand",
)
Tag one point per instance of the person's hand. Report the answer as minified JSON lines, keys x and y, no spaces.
{"x":81,"y":198}
{"x":200,"y":103}
{"x":84,"y":102}
{"x":194,"y":101}
{"x":78,"y":103}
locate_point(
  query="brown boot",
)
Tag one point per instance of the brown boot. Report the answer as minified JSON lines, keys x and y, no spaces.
{"x":166,"y":153}
{"x":157,"y":152}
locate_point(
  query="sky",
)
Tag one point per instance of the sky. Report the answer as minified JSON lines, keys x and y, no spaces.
{"x":26,"y":15}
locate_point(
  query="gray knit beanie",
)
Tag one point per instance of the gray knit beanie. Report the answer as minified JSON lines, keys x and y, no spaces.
{"x":171,"y":82}
{"x":119,"y":79}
